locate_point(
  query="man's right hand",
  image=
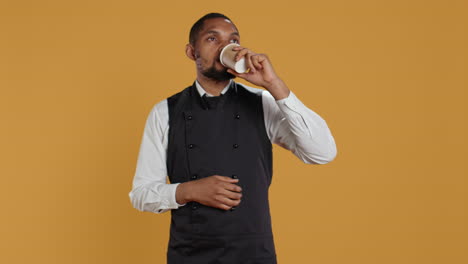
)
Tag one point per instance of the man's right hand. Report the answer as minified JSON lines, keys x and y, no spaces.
{"x":215,"y":191}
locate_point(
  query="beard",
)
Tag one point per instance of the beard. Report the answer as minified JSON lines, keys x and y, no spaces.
{"x":217,"y":75}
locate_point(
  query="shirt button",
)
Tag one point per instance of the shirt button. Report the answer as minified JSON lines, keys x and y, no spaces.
{"x":194,"y":207}
{"x":194,"y":176}
{"x":190,"y":146}
{"x":235,"y":146}
{"x":234,"y":176}
{"x":237,"y":116}
{"x":189,"y":117}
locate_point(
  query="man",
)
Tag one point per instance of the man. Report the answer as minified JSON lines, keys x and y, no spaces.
{"x":214,"y":142}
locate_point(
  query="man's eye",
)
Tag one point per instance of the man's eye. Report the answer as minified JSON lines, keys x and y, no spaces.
{"x":211,"y":38}
{"x":235,"y":41}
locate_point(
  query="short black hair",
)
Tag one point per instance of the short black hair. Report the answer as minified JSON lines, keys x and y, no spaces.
{"x":198,"y":26}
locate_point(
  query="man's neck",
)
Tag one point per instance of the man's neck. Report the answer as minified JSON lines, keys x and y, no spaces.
{"x":212,"y":86}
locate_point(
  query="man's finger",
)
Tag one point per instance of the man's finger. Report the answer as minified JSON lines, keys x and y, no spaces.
{"x":232,"y":72}
{"x":256,"y":63}
{"x":227,"y":179}
{"x":223,"y":206}
{"x":230,"y":203}
{"x":233,"y":187}
{"x":233,"y":195}
{"x":250,"y":65}
{"x":240,"y":54}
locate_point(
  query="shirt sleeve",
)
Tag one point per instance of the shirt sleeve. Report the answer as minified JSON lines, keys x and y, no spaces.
{"x":150,"y":192}
{"x":293,"y":126}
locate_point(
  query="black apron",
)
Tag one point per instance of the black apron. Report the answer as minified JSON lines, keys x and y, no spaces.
{"x":230,"y":140}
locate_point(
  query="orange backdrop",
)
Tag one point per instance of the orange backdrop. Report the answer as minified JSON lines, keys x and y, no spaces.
{"x":78,"y":79}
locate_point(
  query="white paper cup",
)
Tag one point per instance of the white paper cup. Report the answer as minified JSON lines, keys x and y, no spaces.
{"x":227,"y":59}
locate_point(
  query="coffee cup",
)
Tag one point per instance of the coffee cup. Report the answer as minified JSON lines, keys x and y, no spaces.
{"x":227,"y":58}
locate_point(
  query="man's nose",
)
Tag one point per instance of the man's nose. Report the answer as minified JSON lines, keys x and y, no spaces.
{"x":221,"y":47}
{"x":223,"y":44}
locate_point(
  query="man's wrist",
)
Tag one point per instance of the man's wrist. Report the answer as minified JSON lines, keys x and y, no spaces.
{"x":278,"y":89}
{"x":183,"y":193}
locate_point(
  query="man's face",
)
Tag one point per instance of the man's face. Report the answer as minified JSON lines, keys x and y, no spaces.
{"x":216,"y":33}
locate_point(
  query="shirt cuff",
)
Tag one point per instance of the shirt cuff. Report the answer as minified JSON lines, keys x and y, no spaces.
{"x":170,"y":202}
{"x":173,"y":195}
{"x":289,"y":103}
{"x":294,"y":111}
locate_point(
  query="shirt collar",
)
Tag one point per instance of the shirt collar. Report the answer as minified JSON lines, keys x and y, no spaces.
{"x":202,"y":91}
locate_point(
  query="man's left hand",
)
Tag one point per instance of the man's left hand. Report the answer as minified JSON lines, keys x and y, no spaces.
{"x":261,"y":72}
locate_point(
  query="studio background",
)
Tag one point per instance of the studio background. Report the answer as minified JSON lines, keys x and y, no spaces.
{"x":78,"y":79}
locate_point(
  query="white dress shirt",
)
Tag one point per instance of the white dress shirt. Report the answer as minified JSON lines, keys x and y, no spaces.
{"x":288,"y":122}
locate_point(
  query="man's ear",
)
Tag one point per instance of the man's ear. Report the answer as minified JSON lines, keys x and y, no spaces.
{"x":190,"y":51}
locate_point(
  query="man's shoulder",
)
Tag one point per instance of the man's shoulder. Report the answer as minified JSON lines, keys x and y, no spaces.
{"x":252,"y":94}
{"x":178,"y":95}
{"x":161,"y":107}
